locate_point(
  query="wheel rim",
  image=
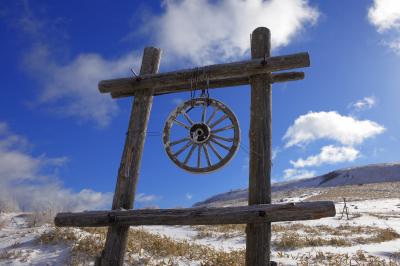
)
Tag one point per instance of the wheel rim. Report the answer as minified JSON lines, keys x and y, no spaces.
{"x":207,"y":138}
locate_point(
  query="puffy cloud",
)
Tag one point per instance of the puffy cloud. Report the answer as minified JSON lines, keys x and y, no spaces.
{"x":385,"y":14}
{"x":363,"y":104}
{"x":29,"y":182}
{"x":292,"y":174}
{"x":329,"y":155}
{"x":68,"y":86}
{"x":71,"y":88}
{"x":330,"y":125}
{"x":206,"y":31}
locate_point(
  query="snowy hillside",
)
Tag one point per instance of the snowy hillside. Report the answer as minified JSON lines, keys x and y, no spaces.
{"x":374,"y":173}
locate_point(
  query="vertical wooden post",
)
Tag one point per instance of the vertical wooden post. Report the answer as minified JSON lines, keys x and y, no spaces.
{"x":258,"y":239}
{"x":114,"y":250}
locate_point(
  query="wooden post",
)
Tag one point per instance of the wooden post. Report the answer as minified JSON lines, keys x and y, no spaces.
{"x":114,"y":250}
{"x":258,"y":239}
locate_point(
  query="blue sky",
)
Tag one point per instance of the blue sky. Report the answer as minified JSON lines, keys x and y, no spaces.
{"x":61,"y":140}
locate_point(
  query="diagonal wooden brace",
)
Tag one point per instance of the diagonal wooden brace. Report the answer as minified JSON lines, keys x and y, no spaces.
{"x":128,"y":173}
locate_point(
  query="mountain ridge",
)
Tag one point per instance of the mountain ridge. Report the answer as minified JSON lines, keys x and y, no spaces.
{"x":366,"y":174}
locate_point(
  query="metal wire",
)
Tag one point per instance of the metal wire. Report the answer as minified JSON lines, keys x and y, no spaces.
{"x":134,"y":73}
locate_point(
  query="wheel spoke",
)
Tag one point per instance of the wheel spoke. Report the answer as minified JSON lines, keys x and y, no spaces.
{"x":187,"y":117}
{"x":199,"y":156}
{"x":189,"y":154}
{"x":222,"y":118}
{"x":214,"y":150}
{"x":183,"y":148}
{"x":178,"y":141}
{"x":222,"y":129}
{"x":207,"y":155}
{"x":203,"y":114}
{"x":181,"y":124}
{"x":220,"y":144}
{"x":222,"y":138}
{"x":212,"y":115}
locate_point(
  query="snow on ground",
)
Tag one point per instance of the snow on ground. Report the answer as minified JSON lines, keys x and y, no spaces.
{"x":387,"y":213}
{"x":18,"y":238}
{"x":18,"y":245}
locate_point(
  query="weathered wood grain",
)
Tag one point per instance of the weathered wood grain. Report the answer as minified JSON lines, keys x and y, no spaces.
{"x":213,"y":84}
{"x":128,"y":173}
{"x":212,"y":72}
{"x":258,"y":240}
{"x":255,"y":214}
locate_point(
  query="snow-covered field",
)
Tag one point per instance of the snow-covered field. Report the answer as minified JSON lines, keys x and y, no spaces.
{"x":371,"y":236}
{"x":18,"y":244}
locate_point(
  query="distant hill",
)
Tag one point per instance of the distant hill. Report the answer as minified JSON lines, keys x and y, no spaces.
{"x":373,"y":173}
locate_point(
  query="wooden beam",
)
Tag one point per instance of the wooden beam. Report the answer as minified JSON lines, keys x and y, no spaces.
{"x":128,"y":173}
{"x":255,"y":214}
{"x":258,"y":240}
{"x":212,"y":72}
{"x":213,"y":84}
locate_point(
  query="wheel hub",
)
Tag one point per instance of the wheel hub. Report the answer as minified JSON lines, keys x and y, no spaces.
{"x":199,"y":133}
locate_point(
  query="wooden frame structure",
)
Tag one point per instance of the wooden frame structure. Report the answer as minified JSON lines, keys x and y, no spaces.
{"x":260,"y":212}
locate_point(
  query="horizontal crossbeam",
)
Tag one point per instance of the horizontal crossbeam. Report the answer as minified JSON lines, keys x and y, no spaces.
{"x":214,"y":73}
{"x":200,"y":216}
{"x":213,"y":84}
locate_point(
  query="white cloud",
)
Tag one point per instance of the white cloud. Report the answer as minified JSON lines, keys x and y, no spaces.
{"x":206,"y":31}
{"x":363,"y":104}
{"x":71,"y":88}
{"x":188,"y":196}
{"x":29,"y":182}
{"x":385,"y":14}
{"x":144,"y":198}
{"x":329,"y":155}
{"x":68,"y":86}
{"x":393,"y":44}
{"x":330,"y":125}
{"x":292,"y":174}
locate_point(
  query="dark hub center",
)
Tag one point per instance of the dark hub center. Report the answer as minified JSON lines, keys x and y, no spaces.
{"x":199,"y":133}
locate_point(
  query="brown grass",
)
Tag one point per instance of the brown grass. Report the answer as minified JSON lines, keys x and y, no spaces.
{"x":219,"y":231}
{"x":143,"y":248}
{"x":10,"y":254}
{"x":56,"y":235}
{"x":297,"y":235}
{"x":3,"y":223}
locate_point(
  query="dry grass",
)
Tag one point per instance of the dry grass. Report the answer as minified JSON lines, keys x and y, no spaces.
{"x":14,"y":255}
{"x":339,"y":259}
{"x":56,"y":235}
{"x":359,"y":192}
{"x":3,"y":223}
{"x":143,"y":248}
{"x":293,"y":236}
{"x":219,"y":231}
{"x":10,"y":254}
{"x":385,"y":216}
{"x":297,"y":235}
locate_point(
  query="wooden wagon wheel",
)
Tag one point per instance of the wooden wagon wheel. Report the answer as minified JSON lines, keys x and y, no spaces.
{"x":204,"y":143}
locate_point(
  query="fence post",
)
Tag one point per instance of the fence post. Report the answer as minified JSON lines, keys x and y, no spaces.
{"x":258,"y":238}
